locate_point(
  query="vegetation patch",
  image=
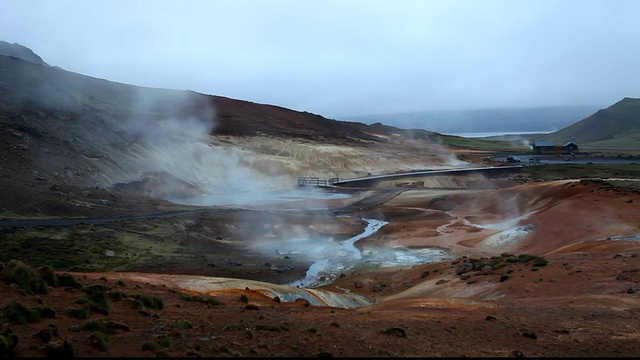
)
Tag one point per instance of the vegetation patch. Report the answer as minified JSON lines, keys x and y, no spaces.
{"x":20,"y":314}
{"x":28,"y":280}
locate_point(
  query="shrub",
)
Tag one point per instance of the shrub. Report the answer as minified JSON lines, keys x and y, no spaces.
{"x":97,"y":298}
{"x":107,"y":327}
{"x":81,"y":312}
{"x":150,"y":301}
{"x":8,"y":341}
{"x":48,"y":275}
{"x":207,"y":299}
{"x":20,"y":314}
{"x":69,"y":281}
{"x":63,"y":350}
{"x":183,"y":324}
{"x":99,"y":340}
{"x":47,"y":334}
{"x":28,"y":280}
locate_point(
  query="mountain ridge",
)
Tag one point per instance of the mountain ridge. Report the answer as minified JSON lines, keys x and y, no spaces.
{"x":616,"y":126}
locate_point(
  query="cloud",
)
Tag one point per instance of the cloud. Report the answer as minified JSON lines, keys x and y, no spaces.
{"x":344,"y":58}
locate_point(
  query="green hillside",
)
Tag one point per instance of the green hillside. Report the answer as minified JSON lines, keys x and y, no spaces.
{"x":617,"y":126}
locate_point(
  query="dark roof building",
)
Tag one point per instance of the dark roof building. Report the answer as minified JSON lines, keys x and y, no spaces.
{"x":539,"y":146}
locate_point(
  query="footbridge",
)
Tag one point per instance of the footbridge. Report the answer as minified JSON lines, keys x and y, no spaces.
{"x":368,"y":181}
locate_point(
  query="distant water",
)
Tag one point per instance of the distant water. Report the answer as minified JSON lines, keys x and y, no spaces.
{"x":502,"y":133}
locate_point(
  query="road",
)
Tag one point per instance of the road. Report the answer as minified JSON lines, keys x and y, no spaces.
{"x":532,"y":159}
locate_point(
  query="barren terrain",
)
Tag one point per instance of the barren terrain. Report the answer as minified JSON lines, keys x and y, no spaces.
{"x":575,"y":296}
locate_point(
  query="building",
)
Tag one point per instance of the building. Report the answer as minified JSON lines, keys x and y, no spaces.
{"x":570,"y":147}
{"x":541,"y":146}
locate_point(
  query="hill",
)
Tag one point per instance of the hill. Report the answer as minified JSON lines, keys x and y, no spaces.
{"x":617,"y":126}
{"x":78,"y":130}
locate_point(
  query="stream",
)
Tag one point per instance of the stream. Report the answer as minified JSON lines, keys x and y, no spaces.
{"x":326,"y":270}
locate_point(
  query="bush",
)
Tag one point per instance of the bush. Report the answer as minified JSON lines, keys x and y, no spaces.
{"x":99,"y":340}
{"x":20,"y":314}
{"x":103,"y":326}
{"x":69,"y":281}
{"x":81,"y":312}
{"x":150,"y":301}
{"x":8,"y":341}
{"x":207,"y":299}
{"x":27,"y":279}
{"x":97,"y":298}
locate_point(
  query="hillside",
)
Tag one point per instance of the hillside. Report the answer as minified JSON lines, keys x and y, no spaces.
{"x":617,"y":126}
{"x":77,"y":130}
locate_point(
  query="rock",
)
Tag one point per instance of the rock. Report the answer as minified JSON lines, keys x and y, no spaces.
{"x":109,"y":253}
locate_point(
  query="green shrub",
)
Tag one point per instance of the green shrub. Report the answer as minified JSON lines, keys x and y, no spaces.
{"x":47,"y":334}
{"x":28,"y":280}
{"x":69,"y":281}
{"x":8,"y":342}
{"x":81,"y":312}
{"x":48,"y":275}
{"x":62,"y":350}
{"x":150,"y":301}
{"x":153,"y":346}
{"x":97,"y":298}
{"x":18,"y":313}
{"x":183,"y":324}
{"x":207,"y":299}
{"x":104,"y":326}
{"x":117,"y":295}
{"x":99,"y":340}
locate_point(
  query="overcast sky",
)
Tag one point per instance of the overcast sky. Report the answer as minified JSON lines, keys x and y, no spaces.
{"x":347,"y":57}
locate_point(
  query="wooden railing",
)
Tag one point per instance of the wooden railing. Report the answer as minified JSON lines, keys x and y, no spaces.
{"x":314,"y":181}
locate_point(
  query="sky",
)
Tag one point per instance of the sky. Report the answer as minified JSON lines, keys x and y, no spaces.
{"x":347,"y":57}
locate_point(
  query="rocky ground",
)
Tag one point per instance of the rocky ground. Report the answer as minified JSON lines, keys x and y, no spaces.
{"x":563,"y":283}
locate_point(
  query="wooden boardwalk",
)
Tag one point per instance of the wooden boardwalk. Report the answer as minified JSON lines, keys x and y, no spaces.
{"x":368,"y":181}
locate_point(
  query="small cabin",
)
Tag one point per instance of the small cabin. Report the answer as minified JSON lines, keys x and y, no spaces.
{"x":541,"y":146}
{"x":570,"y":147}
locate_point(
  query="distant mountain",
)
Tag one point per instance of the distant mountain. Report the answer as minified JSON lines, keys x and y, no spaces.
{"x":537,"y":119}
{"x":21,"y":52}
{"x":617,"y":126}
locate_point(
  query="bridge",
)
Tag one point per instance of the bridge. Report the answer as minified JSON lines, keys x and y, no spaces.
{"x":368,"y":181}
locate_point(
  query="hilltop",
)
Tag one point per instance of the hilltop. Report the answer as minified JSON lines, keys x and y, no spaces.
{"x":617,"y":126}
